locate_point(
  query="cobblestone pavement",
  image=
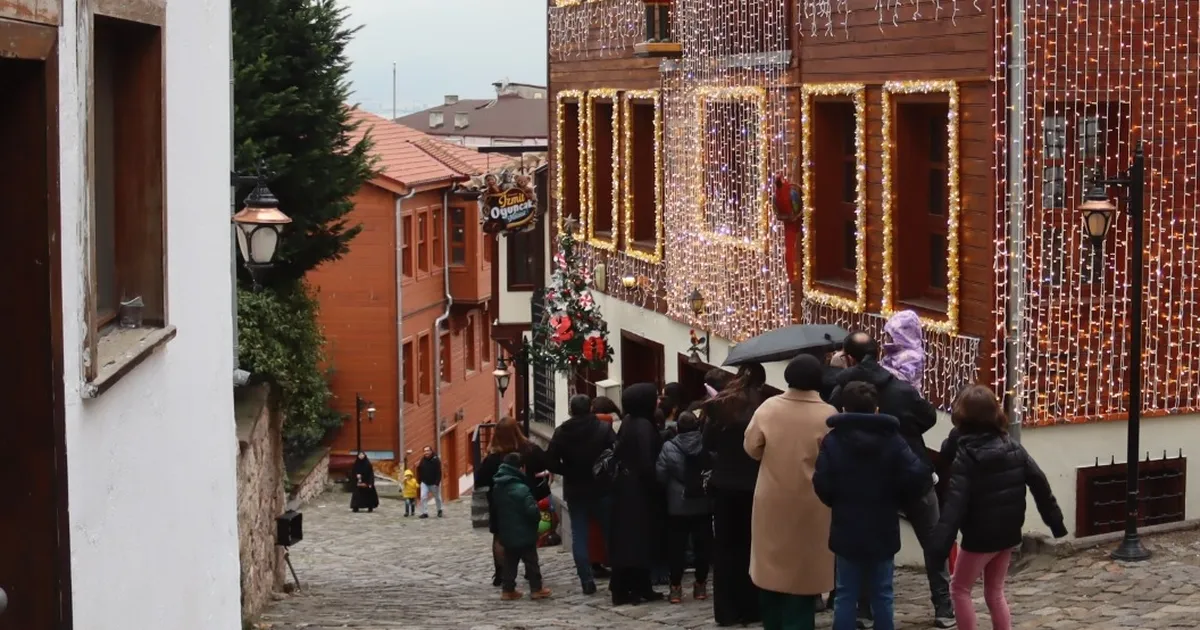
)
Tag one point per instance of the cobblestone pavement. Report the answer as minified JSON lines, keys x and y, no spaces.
{"x":382,"y":571}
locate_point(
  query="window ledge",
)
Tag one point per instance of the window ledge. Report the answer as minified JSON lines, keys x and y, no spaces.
{"x":925,"y":306}
{"x":836,"y":286}
{"x":120,"y":350}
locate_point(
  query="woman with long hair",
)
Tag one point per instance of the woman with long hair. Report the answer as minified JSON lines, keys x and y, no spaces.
{"x":734,"y":476}
{"x":508,"y":438}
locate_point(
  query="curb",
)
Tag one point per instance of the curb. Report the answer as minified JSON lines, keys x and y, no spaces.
{"x":1041,"y":544}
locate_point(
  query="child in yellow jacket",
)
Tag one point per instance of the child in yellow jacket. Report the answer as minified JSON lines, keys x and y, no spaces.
{"x":411,"y":489}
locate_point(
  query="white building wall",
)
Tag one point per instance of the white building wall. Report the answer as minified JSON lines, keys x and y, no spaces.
{"x":1059,"y":450}
{"x":151,"y":462}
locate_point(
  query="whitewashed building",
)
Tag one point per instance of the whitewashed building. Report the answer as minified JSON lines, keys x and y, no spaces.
{"x":117,"y":442}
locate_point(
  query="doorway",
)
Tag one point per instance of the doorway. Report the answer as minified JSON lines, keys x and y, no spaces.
{"x":450,"y":464}
{"x":691,"y":380}
{"x":641,"y":361}
{"x":34,"y":556}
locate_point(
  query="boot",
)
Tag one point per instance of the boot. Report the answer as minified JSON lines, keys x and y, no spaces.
{"x":511,"y":596}
{"x":700,"y":591}
{"x":675,"y":596}
{"x":541,"y":593}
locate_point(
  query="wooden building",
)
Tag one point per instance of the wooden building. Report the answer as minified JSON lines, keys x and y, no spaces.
{"x":941,"y":150}
{"x":405,"y":311}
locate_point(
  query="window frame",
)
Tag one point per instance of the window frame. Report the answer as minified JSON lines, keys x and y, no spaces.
{"x":423,"y":266}
{"x":895,"y":96}
{"x":607,"y":240}
{"x":425,"y":371}
{"x":523,"y":250}
{"x":755,"y":96}
{"x":135,"y":41}
{"x":409,"y":372}
{"x":819,"y":289}
{"x":436,"y":250}
{"x":445,"y":358}
{"x":457,"y":216}
{"x":470,"y":356}
{"x":635,"y":210}
{"x":407,"y":265}
{"x":571,"y":100}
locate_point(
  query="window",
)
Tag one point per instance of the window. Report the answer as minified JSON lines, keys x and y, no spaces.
{"x":469,"y":344}
{"x":458,"y":236}
{"x":410,"y":382}
{"x":834,"y":168}
{"x":446,"y":351}
{"x":488,"y":241}
{"x":922,"y":202}
{"x":734,"y":172}
{"x":570,"y":158}
{"x":643,"y":163}
{"x":524,"y":253}
{"x":436,"y":236}
{"x":485,"y":348}
{"x":602,"y":202}
{"x":423,"y":241}
{"x":406,"y":249}
{"x":426,"y":358}
{"x":128,"y":166}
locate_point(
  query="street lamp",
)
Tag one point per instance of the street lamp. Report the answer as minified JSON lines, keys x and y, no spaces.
{"x":360,"y":405}
{"x":699,"y":344}
{"x":501,"y":375}
{"x":1097,"y":212}
{"x":259,"y":225}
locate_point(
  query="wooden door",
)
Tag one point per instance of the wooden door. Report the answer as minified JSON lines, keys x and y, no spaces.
{"x":450,"y":464}
{"x":34,"y":559}
{"x":691,"y":380}
{"x":641,"y":361}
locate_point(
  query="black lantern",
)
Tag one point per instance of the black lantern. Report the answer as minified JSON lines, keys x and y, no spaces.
{"x":697,"y":301}
{"x":501,"y":375}
{"x":259,"y":225}
{"x":700,"y":344}
{"x":1097,"y":213}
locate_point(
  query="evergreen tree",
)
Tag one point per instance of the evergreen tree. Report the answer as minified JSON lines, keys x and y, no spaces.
{"x":290,"y":115}
{"x":573,"y":334}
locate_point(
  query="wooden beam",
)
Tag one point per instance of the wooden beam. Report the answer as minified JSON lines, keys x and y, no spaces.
{"x":23,"y":40}
{"x":152,"y":12}
{"x":37,"y":11}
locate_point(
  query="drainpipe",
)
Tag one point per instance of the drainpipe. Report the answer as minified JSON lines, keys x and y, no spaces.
{"x":1015,"y":307}
{"x":437,"y":326}
{"x":400,"y":323}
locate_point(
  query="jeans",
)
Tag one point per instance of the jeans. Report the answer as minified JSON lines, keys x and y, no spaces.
{"x":994,"y":569}
{"x":427,"y":490}
{"x":410,"y":507}
{"x":697,"y":529}
{"x":512,"y":558}
{"x":923,"y":515}
{"x":854,"y":577}
{"x":582,"y":511}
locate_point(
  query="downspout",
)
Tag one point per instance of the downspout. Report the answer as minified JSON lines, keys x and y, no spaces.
{"x":1015,"y":307}
{"x":400,"y":450}
{"x":437,"y":326}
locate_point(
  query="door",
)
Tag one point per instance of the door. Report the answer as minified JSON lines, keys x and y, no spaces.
{"x":34,"y":560}
{"x":691,"y":380}
{"x":641,"y":361}
{"x":450,"y":464}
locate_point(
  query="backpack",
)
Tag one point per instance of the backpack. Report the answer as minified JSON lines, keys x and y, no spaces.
{"x":696,"y":470}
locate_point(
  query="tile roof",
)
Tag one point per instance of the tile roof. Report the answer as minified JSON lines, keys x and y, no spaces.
{"x":411,"y":158}
{"x":504,"y":117}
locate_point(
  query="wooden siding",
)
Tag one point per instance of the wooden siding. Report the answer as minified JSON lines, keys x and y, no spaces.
{"x":39,"y":11}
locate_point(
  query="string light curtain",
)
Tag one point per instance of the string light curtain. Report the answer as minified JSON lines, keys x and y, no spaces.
{"x":1101,"y":75}
{"x":619,"y":25}
{"x":830,"y":18}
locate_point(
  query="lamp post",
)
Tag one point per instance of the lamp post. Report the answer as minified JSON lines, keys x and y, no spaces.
{"x":360,"y":405}
{"x":1097,"y":212}
{"x":259,"y":226}
{"x":699,"y":344}
{"x":502,"y":375}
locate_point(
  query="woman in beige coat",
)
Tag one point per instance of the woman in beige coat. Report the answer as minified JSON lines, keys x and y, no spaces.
{"x":789,"y":550}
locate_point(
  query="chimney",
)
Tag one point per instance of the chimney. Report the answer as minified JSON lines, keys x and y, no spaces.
{"x":460,"y":120}
{"x":436,"y":119}
{"x":451,"y":99}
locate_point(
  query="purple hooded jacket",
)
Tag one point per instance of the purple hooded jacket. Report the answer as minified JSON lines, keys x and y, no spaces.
{"x":904,"y":355}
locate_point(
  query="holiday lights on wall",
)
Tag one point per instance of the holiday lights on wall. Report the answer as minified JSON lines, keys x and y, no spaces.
{"x":612,"y":25}
{"x":822,"y":17}
{"x":630,"y":166}
{"x":607,"y":242}
{"x":723,"y":187}
{"x":954,"y":200}
{"x":565,"y":99}
{"x":858,"y":94}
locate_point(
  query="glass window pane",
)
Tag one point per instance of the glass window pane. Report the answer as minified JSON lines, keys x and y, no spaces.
{"x":1090,"y":128}
{"x":850,"y":246}
{"x":937,"y":139}
{"x":849,"y":182}
{"x":938,"y":194}
{"x":937,"y":261}
{"x":1054,"y":137}
{"x":1053,"y":188}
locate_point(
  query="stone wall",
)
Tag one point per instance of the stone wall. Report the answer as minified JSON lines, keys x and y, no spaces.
{"x":260,"y":497}
{"x":309,"y":479}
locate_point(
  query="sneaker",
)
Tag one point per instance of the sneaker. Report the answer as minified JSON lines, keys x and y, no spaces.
{"x":541,"y":593}
{"x":944,"y":621}
{"x":675,"y":596}
{"x":700,"y":591}
{"x":510,"y":596}
{"x":864,"y":624}
{"x":589,"y":588}
{"x":424,"y":516}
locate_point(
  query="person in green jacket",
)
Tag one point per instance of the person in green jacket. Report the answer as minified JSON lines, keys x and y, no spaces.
{"x":519,"y":516}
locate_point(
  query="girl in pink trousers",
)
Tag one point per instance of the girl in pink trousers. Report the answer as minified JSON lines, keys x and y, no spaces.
{"x":986,"y":502}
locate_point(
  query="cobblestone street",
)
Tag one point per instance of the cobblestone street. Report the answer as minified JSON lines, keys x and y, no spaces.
{"x":382,"y":571}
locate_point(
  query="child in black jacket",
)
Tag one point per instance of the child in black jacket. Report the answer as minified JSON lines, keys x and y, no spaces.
{"x":865,"y":472}
{"x":986,"y":501}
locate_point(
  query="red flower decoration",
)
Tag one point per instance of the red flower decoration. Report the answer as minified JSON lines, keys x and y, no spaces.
{"x":561,"y":325}
{"x":594,"y":348}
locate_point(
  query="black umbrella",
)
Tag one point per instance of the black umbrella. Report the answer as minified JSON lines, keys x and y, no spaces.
{"x":783,"y":344}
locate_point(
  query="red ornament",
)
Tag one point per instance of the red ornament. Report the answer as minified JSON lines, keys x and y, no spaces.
{"x":562,"y":331}
{"x":595,"y":349}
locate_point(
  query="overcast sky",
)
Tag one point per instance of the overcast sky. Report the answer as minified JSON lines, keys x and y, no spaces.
{"x":443,"y":47}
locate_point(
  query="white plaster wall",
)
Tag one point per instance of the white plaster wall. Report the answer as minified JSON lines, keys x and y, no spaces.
{"x":514,"y":305}
{"x":151,"y":462}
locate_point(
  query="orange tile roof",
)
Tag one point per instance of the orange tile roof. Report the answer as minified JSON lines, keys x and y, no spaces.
{"x":411,"y":158}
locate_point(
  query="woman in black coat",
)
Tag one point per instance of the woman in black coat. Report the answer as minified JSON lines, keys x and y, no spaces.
{"x":632,"y":542}
{"x":731,"y":484}
{"x":365,"y":496}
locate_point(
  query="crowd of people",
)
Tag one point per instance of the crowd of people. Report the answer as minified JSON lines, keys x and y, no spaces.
{"x":790,"y":502}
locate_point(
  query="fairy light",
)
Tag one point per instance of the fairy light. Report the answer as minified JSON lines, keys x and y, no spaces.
{"x":858,"y":92}
{"x":564,"y":99}
{"x":593,"y":28}
{"x":654,"y":256}
{"x":888,"y":307}
{"x":611,"y":96}
{"x":756,"y":96}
